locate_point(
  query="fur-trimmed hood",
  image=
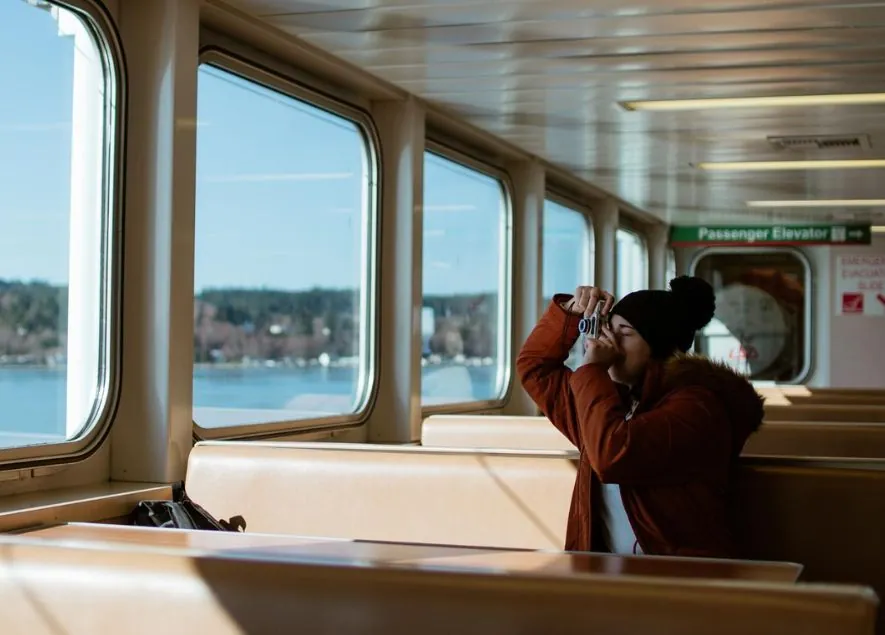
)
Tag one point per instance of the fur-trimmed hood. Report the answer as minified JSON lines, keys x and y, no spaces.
{"x":743,"y":406}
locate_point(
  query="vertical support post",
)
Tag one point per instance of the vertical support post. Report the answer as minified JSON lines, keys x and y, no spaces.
{"x":153,"y":433}
{"x":396,"y":417}
{"x":657,"y":257}
{"x":529,"y":188}
{"x":605,"y":226}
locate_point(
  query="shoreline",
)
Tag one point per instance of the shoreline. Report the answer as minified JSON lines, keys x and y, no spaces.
{"x":477,"y":362}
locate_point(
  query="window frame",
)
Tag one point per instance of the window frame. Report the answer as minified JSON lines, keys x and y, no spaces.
{"x":101,"y":26}
{"x":506,"y":281}
{"x":280,"y":77}
{"x":810,"y":324}
{"x":554,"y":196}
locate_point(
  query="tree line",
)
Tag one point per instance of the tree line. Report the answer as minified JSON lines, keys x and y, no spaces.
{"x":33,"y":320}
{"x":234,"y":324}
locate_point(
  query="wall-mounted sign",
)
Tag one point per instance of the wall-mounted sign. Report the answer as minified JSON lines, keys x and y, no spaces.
{"x":771,"y":235}
{"x":860,"y":285}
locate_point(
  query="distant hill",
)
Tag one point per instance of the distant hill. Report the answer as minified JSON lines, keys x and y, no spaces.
{"x":232,"y":324}
{"x":30,"y":324}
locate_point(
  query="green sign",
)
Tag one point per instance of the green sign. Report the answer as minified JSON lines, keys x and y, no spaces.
{"x":766,"y":236}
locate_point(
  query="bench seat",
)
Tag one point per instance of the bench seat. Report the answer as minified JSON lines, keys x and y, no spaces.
{"x":47,"y":589}
{"x":787,"y":438}
{"x":396,"y":493}
{"x":826,"y":515}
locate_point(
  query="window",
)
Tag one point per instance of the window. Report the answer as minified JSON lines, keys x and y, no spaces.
{"x":568,"y":252}
{"x":761,"y":325}
{"x":567,"y":249}
{"x":465,"y":277}
{"x":632,"y":254}
{"x":58,"y":122}
{"x":283,"y":272}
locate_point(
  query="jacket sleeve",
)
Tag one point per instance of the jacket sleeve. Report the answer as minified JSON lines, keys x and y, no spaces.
{"x":681,"y":437}
{"x":542,"y":371}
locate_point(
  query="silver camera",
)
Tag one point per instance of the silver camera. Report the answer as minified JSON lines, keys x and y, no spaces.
{"x":591,"y":326}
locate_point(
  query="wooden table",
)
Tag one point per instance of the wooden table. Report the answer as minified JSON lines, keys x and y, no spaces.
{"x":420,"y":556}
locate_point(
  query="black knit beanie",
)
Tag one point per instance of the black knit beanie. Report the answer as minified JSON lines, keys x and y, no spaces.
{"x":668,"y":320}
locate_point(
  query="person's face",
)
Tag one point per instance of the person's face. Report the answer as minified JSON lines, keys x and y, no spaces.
{"x":630,"y":366}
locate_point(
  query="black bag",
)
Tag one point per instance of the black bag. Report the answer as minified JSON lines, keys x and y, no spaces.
{"x":179,"y":513}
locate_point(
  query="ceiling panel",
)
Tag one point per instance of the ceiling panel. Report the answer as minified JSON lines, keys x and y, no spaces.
{"x":549,"y":76}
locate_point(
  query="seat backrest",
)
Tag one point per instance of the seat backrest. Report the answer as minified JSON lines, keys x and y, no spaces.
{"x":818,"y":439}
{"x":803,"y":395}
{"x":825,"y":412}
{"x":827,"y":515}
{"x":787,"y":438}
{"x":492,"y":431}
{"x":46,"y":589}
{"x":837,"y":400}
{"x":405,"y":494}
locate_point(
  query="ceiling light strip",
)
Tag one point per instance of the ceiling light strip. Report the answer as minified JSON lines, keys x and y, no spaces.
{"x":858,"y":99}
{"x":872,"y":202}
{"x":759,"y":166}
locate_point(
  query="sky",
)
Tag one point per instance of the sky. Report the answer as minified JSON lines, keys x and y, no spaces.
{"x":280,"y":186}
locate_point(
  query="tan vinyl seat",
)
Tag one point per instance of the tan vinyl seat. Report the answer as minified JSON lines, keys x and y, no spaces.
{"x":825,"y":412}
{"x":492,"y":431}
{"x":818,"y":439}
{"x":398,"y":493}
{"x":786,"y":438}
{"x":837,"y":400}
{"x":826,"y":515}
{"x":804,"y":395}
{"x":48,"y":589}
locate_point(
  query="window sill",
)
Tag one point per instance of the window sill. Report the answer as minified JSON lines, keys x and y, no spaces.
{"x":92,"y":503}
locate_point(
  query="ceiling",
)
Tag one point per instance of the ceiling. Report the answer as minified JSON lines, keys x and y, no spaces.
{"x":548,"y":75}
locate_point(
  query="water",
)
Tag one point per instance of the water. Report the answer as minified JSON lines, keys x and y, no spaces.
{"x":32,"y":406}
{"x":32,"y":400}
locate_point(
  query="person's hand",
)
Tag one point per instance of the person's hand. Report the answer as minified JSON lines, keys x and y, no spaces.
{"x":585,"y":300}
{"x":603,"y":351}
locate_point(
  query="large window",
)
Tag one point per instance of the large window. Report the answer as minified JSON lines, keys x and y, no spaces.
{"x":567,"y":249}
{"x":58,"y":121}
{"x":568,"y":253}
{"x":761,"y":325}
{"x":632,"y":254}
{"x":283,"y":275}
{"x":466,"y":265}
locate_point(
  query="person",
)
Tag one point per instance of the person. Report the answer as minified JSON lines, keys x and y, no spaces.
{"x":658,"y":430}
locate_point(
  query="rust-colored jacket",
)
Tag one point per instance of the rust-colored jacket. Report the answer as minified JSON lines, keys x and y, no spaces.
{"x":672,"y":459}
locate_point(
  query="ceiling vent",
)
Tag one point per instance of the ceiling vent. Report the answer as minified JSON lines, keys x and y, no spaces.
{"x":822,"y":142}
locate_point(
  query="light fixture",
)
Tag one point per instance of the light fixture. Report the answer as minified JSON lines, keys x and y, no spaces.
{"x":759,"y":166}
{"x":872,"y":202}
{"x":878,"y":229}
{"x":756,"y":102}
